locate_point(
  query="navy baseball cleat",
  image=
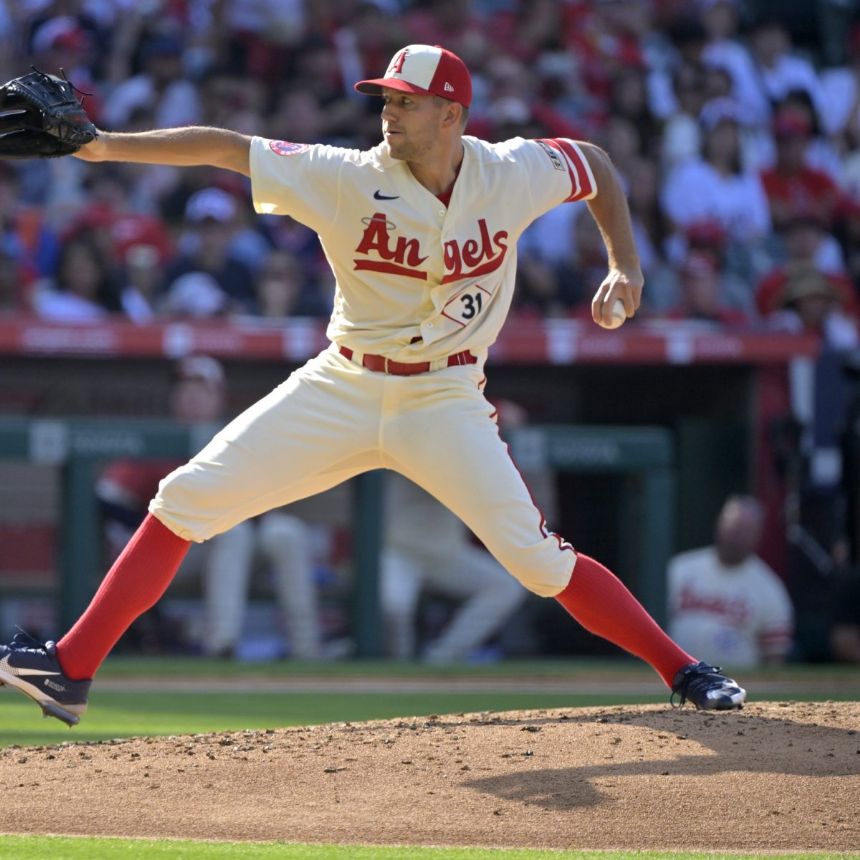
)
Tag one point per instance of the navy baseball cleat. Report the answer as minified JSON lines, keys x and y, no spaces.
{"x":31,"y":667}
{"x":707,"y":688}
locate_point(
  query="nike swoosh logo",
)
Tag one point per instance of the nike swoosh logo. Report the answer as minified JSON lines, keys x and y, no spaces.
{"x":378,"y":195}
{"x":24,"y":671}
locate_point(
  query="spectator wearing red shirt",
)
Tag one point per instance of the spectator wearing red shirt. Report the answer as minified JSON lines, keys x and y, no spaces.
{"x":111,"y":218}
{"x":792,"y":187}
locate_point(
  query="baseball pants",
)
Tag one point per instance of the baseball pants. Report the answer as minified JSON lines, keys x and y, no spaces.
{"x":333,"y":419}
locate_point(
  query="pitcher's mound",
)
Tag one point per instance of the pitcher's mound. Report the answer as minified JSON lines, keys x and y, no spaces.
{"x":773,"y":776}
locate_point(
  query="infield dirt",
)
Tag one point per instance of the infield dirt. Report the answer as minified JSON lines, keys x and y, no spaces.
{"x":775,"y":776}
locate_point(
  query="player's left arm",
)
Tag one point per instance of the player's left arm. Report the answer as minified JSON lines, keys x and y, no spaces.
{"x":610,"y":210}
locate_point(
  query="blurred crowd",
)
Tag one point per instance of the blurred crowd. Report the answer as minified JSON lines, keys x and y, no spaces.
{"x":734,"y":124}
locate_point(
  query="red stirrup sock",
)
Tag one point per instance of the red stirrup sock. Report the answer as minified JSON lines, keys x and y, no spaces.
{"x":135,"y":582}
{"x":603,"y":605}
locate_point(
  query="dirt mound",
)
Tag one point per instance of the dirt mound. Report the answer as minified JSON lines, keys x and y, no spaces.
{"x":774,"y":776}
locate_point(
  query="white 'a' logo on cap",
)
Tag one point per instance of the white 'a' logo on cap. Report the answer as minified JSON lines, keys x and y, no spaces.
{"x":396,"y":67}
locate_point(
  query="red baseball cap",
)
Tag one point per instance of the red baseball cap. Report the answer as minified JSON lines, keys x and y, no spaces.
{"x":425,"y":69}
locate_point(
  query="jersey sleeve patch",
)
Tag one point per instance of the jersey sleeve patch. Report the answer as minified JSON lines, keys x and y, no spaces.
{"x":284,"y":147}
{"x":564,"y":154}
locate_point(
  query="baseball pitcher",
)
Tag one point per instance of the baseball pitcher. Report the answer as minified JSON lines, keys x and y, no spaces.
{"x":421,"y":233}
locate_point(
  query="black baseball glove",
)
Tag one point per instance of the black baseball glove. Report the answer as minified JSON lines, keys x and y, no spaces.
{"x":41,"y":117}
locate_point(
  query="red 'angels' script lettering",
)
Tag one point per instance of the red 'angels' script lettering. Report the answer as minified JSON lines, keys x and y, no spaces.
{"x":401,"y":257}
{"x":473,"y":258}
{"x":734,"y":610}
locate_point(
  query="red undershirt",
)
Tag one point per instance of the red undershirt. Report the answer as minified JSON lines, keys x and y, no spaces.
{"x":445,"y":196}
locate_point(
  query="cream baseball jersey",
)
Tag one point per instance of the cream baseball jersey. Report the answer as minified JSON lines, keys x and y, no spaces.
{"x":418,"y":280}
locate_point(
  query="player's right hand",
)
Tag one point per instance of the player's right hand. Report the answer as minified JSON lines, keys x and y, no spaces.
{"x":625,"y":285}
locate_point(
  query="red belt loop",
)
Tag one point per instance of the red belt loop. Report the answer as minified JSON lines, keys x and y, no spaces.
{"x":383,"y":364}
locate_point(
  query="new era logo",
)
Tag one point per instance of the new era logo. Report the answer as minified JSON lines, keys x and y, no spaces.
{"x":448,"y":88}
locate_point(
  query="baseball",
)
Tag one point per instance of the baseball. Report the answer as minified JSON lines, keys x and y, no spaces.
{"x":619,"y":315}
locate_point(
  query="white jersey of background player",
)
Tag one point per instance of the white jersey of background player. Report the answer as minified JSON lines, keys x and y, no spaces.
{"x":725,"y":599}
{"x":421,"y":234}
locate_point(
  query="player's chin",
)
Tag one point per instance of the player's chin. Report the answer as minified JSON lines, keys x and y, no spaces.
{"x":395,"y":144}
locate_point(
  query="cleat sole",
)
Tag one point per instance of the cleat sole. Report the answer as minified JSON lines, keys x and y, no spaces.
{"x":51,"y":710}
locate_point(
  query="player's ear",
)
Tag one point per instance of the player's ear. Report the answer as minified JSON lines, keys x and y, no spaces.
{"x":451,"y":115}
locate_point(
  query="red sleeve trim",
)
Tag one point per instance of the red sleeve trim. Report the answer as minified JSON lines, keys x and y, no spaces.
{"x":581,"y":179}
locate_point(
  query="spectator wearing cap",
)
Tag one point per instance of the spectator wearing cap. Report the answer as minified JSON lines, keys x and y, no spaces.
{"x":821,"y":153}
{"x":810,"y":301}
{"x":716,"y":186}
{"x":791,"y":185}
{"x":804,"y":241}
{"x":208,"y":279}
{"x":161,"y":86}
{"x":111,"y":217}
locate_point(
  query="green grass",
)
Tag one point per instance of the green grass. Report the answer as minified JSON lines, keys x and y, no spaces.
{"x":114,"y":714}
{"x":122,"y":666}
{"x":74,"y":848}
